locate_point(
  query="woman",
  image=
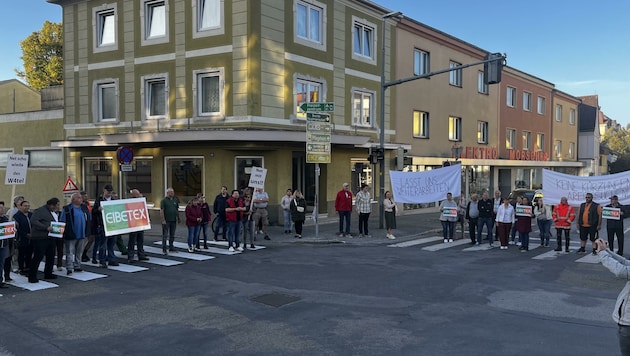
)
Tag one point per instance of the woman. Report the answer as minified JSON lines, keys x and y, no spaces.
{"x":524,"y":227}
{"x":363,"y":202}
{"x":285,"y":204}
{"x":462,"y":204}
{"x":448,"y":221}
{"x":543,"y":218}
{"x":206,"y":217}
{"x":389,"y":206}
{"x":248,"y":223}
{"x":193,"y":222}
{"x":298,"y":212}
{"x":505,"y":219}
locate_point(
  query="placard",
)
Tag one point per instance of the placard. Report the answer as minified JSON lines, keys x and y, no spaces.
{"x":123,"y":216}
{"x":257,"y":178}
{"x":57,"y":229}
{"x":523,"y":210}
{"x":449,"y":212}
{"x":611,"y":213}
{"x":16,"y":169}
{"x":7,"y":230}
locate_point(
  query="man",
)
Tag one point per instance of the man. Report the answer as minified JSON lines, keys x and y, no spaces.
{"x":496,"y":203}
{"x":261,"y":200}
{"x":589,"y":222}
{"x":78,"y":220}
{"x":472,"y":215}
{"x":104,"y":244}
{"x":136,"y":238}
{"x":563,"y":215}
{"x":23,"y":229}
{"x":486,"y":208}
{"x":615,"y":227}
{"x":219,"y":210}
{"x":43,"y":245}
{"x":343,"y":207}
{"x":364,"y":207}
{"x":169,"y":214}
{"x":233,"y":215}
{"x":90,"y":239}
{"x":4,"y":248}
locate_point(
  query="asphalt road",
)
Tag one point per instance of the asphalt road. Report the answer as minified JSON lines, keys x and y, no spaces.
{"x":419,"y":297}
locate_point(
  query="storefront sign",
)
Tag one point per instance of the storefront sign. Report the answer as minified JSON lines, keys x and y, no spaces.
{"x":611,"y":213}
{"x":125,"y":215}
{"x":523,"y":210}
{"x":480,"y":152}
{"x":523,"y":155}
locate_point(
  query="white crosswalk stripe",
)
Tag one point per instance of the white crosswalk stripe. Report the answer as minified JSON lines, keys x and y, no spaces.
{"x":155,"y":260}
{"x":445,"y":245}
{"x":179,"y":254}
{"x":79,"y":276}
{"x":416,"y":242}
{"x":22,"y":282}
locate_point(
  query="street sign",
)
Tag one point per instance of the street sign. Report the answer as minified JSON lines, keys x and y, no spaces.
{"x":318,"y":127}
{"x":70,"y":186}
{"x":316,"y":137}
{"x":126,"y":167}
{"x":124,"y":155}
{"x":317,"y":147}
{"x":317,"y":158}
{"x":317,"y":117}
{"x":314,"y":107}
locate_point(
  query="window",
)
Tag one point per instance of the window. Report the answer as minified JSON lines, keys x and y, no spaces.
{"x":4,"y":157}
{"x":558,"y":149}
{"x":155,"y":97}
{"x":208,"y":18}
{"x":97,"y":171}
{"x":572,"y":150}
{"x":185,"y":176}
{"x":559,"y":113}
{"x":454,"y":128}
{"x":243,"y":169}
{"x":455,"y":76}
{"x":420,"y":62}
{"x":46,"y":158}
{"x":105,"y":100}
{"x":510,"y":139}
{"x":309,"y":22}
{"x":420,"y":124}
{"x":363,"y":40}
{"x":527,"y":140}
{"x":307,"y":91}
{"x":540,"y":142}
{"x":571,"y":116}
{"x":154,"y":16}
{"x":482,"y":132}
{"x":140,"y":177}
{"x":541,"y":105}
{"x":527,"y":101}
{"x":362,"y":108}
{"x":482,"y":87}
{"x":511,"y":97}
{"x":208,"y":92}
{"x":104,"y":28}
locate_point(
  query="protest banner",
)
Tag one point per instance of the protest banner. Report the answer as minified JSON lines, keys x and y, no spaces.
{"x":125,"y":215}
{"x":257,"y":177}
{"x":557,"y":185}
{"x":7,"y":230}
{"x":428,"y":186}
{"x":611,"y":213}
{"x":523,"y":210}
{"x":57,"y":229}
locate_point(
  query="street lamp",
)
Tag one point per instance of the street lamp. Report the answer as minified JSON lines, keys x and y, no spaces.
{"x":381,"y":152}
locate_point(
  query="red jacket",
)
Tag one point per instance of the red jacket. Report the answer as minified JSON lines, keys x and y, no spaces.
{"x":234,"y":216}
{"x":563,"y":216}
{"x":343,"y":202}
{"x":192,"y":213}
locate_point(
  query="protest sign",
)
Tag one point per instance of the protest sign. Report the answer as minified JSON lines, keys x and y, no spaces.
{"x":449,"y":212}
{"x":125,"y":215}
{"x":7,"y":230}
{"x":257,"y":177}
{"x":428,"y":186}
{"x":611,"y":213}
{"x":57,"y":229}
{"x":557,"y":185}
{"x":523,"y":210}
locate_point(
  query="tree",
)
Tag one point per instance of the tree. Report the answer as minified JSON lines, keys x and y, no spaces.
{"x":619,"y":142}
{"x":42,"y":55}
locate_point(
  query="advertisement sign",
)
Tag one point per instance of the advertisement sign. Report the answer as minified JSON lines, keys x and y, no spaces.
{"x":611,"y":213}
{"x":7,"y":230}
{"x":125,"y":215}
{"x":57,"y":229}
{"x":524,"y":210}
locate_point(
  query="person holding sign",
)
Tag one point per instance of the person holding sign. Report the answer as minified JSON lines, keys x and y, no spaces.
{"x":43,"y":243}
{"x":448,"y":217}
{"x":504,"y":219}
{"x":614,"y":223}
{"x":563,"y":215}
{"x":543,"y":218}
{"x":524,"y":216}
{"x":261,"y":216}
{"x":4,"y":245}
{"x":78,"y":221}
{"x":589,"y":222}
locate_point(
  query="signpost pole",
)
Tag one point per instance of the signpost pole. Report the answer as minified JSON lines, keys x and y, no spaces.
{"x":316,"y":208}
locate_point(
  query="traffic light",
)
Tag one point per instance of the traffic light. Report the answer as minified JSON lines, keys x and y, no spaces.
{"x":400,"y":158}
{"x":492,"y":70}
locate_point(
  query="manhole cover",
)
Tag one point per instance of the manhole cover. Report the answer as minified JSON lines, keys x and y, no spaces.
{"x":275,"y":299}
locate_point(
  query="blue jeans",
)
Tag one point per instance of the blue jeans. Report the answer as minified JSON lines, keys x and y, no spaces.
{"x":248,"y":229}
{"x":448,"y":228}
{"x":344,"y":215}
{"x":193,"y":235}
{"x":545,"y":231}
{"x":488,"y":222}
{"x":287,"y":220}
{"x":106,"y":247}
{"x":524,"y":237}
{"x":234,"y":233}
{"x":204,"y":229}
{"x":3,"y":254}
{"x":221,"y":223}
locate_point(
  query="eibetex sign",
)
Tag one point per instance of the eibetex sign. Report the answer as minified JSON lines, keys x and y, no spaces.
{"x":125,"y":215}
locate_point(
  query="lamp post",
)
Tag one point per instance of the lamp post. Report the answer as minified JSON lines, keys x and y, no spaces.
{"x":381,"y":149}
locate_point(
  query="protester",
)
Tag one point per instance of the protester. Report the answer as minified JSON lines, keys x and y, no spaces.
{"x":563,"y":215}
{"x":43,"y":245}
{"x":389,"y":206}
{"x":105,"y":243}
{"x":518,"y":201}
{"x":136,"y":238}
{"x":218,"y":208}
{"x":544,"y":217}
{"x":343,"y":207}
{"x":615,"y":227}
{"x":462,"y":203}
{"x":23,"y":229}
{"x":169,"y":214}
{"x":261,"y":215}
{"x":285,"y":204}
{"x":206,"y":217}
{"x":89,"y":243}
{"x":233,"y":215}
{"x":620,"y":267}
{"x":496,"y":202}
{"x":524,"y":226}
{"x":248,"y":223}
{"x":485,"y":206}
{"x":298,"y":212}
{"x":472,"y":215}
{"x":193,"y":223}
{"x":363,"y":203}
{"x":4,"y":247}
{"x":448,"y":222}
{"x":78,"y":226}
{"x":589,"y":222}
{"x":504,"y":219}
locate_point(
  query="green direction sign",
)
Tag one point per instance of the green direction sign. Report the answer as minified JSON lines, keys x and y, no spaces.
{"x":317,"y":147}
{"x":317,"y":157}
{"x":317,"y":117}
{"x":314,"y":107}
{"x":317,"y":138}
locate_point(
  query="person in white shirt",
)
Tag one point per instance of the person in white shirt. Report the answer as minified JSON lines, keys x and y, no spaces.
{"x":285,"y":203}
{"x":504,"y":219}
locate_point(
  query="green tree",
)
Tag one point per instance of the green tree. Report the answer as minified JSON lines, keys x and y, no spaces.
{"x":619,"y":142}
{"x":42,"y":55}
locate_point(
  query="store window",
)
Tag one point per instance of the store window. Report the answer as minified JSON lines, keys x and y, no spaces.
{"x":140,"y":178}
{"x":97,"y":171}
{"x":185,"y":176}
{"x":243,"y":170}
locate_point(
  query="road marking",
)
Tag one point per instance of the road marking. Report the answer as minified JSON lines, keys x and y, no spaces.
{"x":180,"y":254}
{"x":220,"y":251}
{"x":120,"y":268}
{"x":589,"y":258}
{"x":79,"y":276}
{"x":225,"y":244}
{"x":416,"y":242}
{"x":442,"y":246}
{"x":22,"y":282}
{"x":156,"y":261}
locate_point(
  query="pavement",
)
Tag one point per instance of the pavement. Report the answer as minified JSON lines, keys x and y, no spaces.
{"x":410,"y":224}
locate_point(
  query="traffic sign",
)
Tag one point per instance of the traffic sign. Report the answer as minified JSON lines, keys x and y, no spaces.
{"x":70,"y":186}
{"x":311,"y":107}
{"x":312,"y":116}
{"x":124,"y":155}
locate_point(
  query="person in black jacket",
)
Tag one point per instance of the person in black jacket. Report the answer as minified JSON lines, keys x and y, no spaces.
{"x":486,"y":217}
{"x":219,"y":210}
{"x":615,"y":227}
{"x":23,"y":229}
{"x":78,"y":228}
{"x":43,"y":244}
{"x":298,"y":212}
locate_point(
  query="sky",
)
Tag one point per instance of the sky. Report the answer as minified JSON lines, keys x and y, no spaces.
{"x":580,"y":46}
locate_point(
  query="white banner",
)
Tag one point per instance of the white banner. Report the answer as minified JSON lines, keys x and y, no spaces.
{"x":557,"y":185}
{"x":428,"y":186}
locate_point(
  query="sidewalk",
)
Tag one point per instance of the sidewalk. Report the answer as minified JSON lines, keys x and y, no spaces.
{"x":411,"y":224}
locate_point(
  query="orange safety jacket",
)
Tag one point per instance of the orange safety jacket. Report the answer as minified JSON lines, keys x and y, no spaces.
{"x":563,"y":215}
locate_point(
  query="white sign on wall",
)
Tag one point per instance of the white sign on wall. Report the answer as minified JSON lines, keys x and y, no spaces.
{"x":257,"y":177}
{"x":16,"y":169}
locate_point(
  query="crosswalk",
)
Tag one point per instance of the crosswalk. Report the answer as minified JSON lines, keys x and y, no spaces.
{"x":92,"y":271}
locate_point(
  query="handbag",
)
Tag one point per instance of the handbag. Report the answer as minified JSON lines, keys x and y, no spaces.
{"x":300,"y":209}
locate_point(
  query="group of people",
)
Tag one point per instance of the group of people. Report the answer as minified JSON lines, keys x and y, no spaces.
{"x":503,"y":218}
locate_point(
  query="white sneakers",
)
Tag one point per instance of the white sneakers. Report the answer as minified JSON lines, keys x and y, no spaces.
{"x":448,"y":240}
{"x":391,"y":237}
{"x":239,"y":248}
{"x":231,"y":249}
{"x":504,"y":247}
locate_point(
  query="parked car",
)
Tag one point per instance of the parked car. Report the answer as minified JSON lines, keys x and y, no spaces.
{"x":531,"y":195}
